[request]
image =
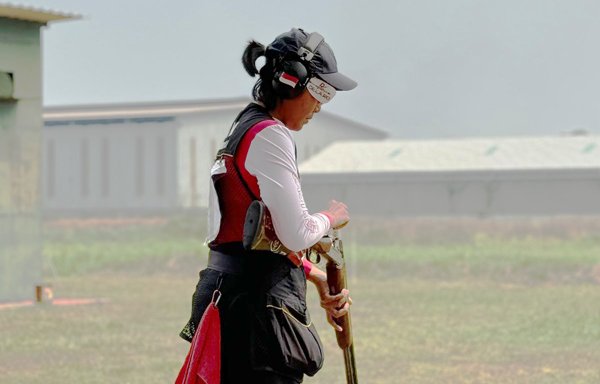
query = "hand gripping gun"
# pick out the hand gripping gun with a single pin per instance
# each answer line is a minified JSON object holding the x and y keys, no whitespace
{"x":259,"y":234}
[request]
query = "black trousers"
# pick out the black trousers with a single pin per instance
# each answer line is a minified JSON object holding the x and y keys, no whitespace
{"x":235,"y":311}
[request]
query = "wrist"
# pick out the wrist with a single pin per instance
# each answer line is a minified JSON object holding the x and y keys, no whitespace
{"x":319,"y":279}
{"x":329,"y":217}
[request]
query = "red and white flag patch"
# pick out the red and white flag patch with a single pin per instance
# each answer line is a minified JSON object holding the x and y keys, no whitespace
{"x":288,"y":79}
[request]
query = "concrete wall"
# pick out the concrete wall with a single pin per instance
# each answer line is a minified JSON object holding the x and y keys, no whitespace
{"x":20,"y":140}
{"x":110,"y":166}
{"x":475,"y":194}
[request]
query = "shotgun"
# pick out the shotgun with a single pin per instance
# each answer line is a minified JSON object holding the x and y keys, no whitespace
{"x":259,"y":234}
{"x":331,"y":248}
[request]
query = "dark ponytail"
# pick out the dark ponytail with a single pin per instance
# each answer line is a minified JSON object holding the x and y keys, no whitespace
{"x":253,"y":51}
{"x":263,"y":88}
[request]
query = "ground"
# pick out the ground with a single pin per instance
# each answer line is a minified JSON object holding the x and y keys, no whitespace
{"x":488,"y":307}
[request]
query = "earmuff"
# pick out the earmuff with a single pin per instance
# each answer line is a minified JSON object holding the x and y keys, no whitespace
{"x":292,"y":71}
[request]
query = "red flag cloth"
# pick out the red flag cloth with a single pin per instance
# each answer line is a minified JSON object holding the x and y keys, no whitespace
{"x":203,"y":362}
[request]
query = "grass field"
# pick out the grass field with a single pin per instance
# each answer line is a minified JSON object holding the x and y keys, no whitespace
{"x":511,"y":306}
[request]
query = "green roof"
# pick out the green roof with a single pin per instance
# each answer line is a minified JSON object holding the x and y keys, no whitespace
{"x":476,"y":154}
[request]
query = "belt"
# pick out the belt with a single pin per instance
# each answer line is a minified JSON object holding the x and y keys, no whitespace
{"x":231,"y":264}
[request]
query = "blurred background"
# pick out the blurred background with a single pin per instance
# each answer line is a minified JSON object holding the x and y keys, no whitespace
{"x":469,"y":156}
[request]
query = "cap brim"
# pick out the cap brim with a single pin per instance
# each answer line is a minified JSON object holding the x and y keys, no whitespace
{"x":338,"y":81}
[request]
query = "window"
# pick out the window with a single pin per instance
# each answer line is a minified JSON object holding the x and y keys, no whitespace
{"x":50,"y":164}
{"x":139,"y":166}
{"x":7,"y":88}
{"x":85,"y":167}
{"x":160,"y":166}
{"x":105,"y":164}
{"x":193,"y":190}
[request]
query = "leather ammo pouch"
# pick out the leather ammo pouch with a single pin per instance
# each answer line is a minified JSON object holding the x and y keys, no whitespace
{"x":283,"y":336}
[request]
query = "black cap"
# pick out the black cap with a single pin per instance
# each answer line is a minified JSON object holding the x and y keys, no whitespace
{"x":323,"y":63}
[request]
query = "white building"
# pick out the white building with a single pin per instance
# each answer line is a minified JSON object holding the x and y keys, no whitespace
{"x":150,"y":157}
{"x":469,"y":177}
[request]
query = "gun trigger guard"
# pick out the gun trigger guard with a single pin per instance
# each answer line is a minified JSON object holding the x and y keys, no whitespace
{"x":312,"y":259}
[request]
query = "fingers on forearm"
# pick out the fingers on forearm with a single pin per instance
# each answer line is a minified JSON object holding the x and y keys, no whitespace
{"x":339,"y":312}
{"x":335,"y":325}
{"x":330,"y":299}
{"x":337,"y":297}
{"x":331,"y":305}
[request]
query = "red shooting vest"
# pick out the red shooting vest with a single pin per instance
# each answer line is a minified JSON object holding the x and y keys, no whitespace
{"x":236,"y":188}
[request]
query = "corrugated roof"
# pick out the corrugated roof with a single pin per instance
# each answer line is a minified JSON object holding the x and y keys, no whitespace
{"x":33,"y":14}
{"x":138,"y":109}
{"x":513,"y":153}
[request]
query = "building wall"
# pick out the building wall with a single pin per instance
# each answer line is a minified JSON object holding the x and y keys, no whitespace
{"x":110,"y":166}
{"x":199,"y":139}
{"x":475,"y":194}
{"x":199,"y":130}
{"x":20,"y":138}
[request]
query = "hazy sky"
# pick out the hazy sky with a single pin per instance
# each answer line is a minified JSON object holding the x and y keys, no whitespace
{"x":447,"y":68}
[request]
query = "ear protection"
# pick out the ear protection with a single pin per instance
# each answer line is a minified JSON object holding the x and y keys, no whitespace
{"x":292,"y":71}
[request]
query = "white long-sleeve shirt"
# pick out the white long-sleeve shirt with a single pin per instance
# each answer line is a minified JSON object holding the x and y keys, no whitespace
{"x":271,"y":159}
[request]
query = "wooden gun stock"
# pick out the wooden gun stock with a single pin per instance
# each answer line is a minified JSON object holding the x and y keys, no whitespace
{"x":336,"y":280}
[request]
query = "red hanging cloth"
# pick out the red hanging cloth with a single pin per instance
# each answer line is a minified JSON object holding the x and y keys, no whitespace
{"x":203,"y":362}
